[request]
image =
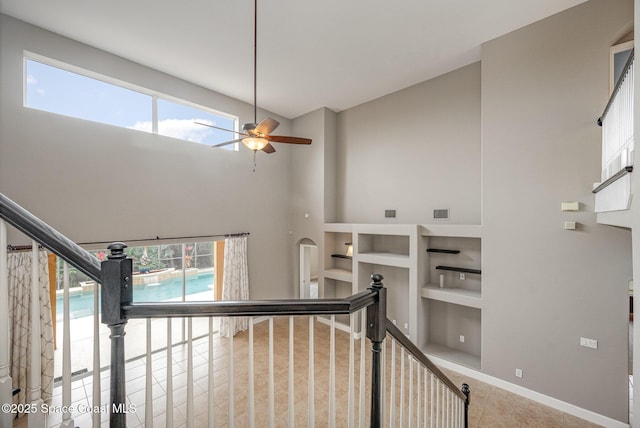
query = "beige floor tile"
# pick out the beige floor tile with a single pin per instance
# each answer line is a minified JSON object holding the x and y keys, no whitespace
{"x":490,"y":406}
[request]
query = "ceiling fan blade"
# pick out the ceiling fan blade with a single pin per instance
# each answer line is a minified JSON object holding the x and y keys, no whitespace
{"x":267,"y":126}
{"x":222,"y":129}
{"x":268,"y":148}
{"x":226,"y":143}
{"x":288,"y":140}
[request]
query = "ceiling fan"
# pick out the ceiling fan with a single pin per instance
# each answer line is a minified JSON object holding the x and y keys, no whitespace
{"x":257,"y":136}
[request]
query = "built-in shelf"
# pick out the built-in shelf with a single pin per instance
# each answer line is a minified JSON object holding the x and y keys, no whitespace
{"x":385,"y":259}
{"x":341,"y":256}
{"x":440,"y":250}
{"x":459,"y":269}
{"x":453,"y":355}
{"x":338,"y":274}
{"x":459,"y":296}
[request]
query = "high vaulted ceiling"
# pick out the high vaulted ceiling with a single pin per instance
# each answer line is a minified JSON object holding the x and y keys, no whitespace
{"x":311,"y":54}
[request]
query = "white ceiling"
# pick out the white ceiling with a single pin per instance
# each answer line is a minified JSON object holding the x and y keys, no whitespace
{"x":311,"y":54}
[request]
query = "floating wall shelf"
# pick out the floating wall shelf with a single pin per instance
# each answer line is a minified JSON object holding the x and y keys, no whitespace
{"x":438,"y":250}
{"x":459,"y":269}
{"x":341,"y":256}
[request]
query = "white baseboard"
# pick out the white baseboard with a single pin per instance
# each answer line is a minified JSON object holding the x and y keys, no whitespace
{"x":339,"y":326}
{"x":258,"y":320}
{"x":563,"y":406}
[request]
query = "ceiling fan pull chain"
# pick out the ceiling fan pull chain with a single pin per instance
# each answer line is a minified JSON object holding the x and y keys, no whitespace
{"x":254,"y":160}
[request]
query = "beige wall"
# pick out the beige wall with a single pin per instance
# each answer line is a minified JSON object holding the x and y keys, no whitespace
{"x":504,"y":142}
{"x":414,"y":151}
{"x":96,"y":182}
{"x":542,"y":89}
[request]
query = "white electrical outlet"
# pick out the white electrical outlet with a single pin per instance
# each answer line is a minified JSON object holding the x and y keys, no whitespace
{"x":394,"y":322}
{"x":462,"y":276}
{"x":589,"y":343}
{"x":519,"y":373}
{"x":461,"y":339}
{"x":406,"y":326}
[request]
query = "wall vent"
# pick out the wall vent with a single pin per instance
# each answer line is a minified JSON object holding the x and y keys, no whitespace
{"x":390,"y":213}
{"x":441,"y":214}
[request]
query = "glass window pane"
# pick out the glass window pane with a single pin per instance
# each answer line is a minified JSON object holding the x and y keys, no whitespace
{"x":178,"y":121}
{"x":619,"y":61}
{"x":63,"y":92}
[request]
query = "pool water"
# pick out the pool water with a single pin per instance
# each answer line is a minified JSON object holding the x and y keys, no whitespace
{"x":81,"y":305}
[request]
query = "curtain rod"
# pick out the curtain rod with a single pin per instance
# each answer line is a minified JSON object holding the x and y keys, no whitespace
{"x":15,"y":248}
{"x":172,"y":238}
{"x":157,"y":238}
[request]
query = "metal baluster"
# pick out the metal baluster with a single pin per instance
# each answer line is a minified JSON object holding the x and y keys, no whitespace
{"x":35,"y":419}
{"x":291,"y":374}
{"x":251,"y":376}
{"x":363,"y":340}
{"x":410,"y":416}
{"x":392,"y":388}
{"x":169,"y":396}
{"x":148,"y":402}
{"x":311,"y":398}
{"x":433,"y":400}
{"x":67,"y":421}
{"x":271,"y":382}
{"x":190,"y":410}
{"x":6,"y":387}
{"x":383,"y":392}
{"x":211,"y":402}
{"x":402,"y":358}
{"x":426,"y":395}
{"x":96,"y":392}
{"x":351,"y":398}
{"x":419,"y":388}
{"x":332,"y":372}
{"x":437,"y":402}
{"x":230,"y":404}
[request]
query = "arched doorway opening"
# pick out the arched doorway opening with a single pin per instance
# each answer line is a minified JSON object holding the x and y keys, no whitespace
{"x":308,"y":269}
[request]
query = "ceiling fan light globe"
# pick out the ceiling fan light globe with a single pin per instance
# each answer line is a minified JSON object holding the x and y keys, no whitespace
{"x":255,"y":143}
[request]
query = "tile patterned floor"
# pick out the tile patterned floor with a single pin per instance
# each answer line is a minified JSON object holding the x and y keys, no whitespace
{"x":490,"y":406}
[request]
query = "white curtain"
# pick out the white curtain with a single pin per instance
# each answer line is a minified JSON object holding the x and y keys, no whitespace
{"x":235,"y":282}
{"x":19,"y":265}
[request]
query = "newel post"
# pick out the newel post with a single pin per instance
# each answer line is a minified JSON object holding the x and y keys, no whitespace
{"x":117,"y":290}
{"x":376,"y":332}
{"x":467,"y":392}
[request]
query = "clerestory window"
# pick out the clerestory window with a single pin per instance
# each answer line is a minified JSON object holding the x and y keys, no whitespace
{"x":67,"y":90}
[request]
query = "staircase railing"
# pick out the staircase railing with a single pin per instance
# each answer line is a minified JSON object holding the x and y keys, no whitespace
{"x":441,"y":399}
{"x":617,"y":129}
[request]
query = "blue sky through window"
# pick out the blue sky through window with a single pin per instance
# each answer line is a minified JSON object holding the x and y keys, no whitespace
{"x":63,"y":92}
{"x":177,"y":120}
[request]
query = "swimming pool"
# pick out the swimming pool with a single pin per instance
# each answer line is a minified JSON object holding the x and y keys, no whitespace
{"x":81,"y":305}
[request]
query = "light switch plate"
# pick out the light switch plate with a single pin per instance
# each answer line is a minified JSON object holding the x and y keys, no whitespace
{"x":570,"y":225}
{"x":571,"y":206}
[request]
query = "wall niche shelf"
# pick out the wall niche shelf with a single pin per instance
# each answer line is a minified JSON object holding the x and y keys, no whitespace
{"x":459,"y":269}
{"x":427,"y":295}
{"x":343,"y":275}
{"x":459,"y":296}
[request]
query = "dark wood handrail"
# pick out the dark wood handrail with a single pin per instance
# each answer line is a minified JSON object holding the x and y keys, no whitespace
{"x":416,"y":353}
{"x":617,"y":87}
{"x":251,"y":307}
{"x":624,"y":171}
{"x":50,"y":238}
